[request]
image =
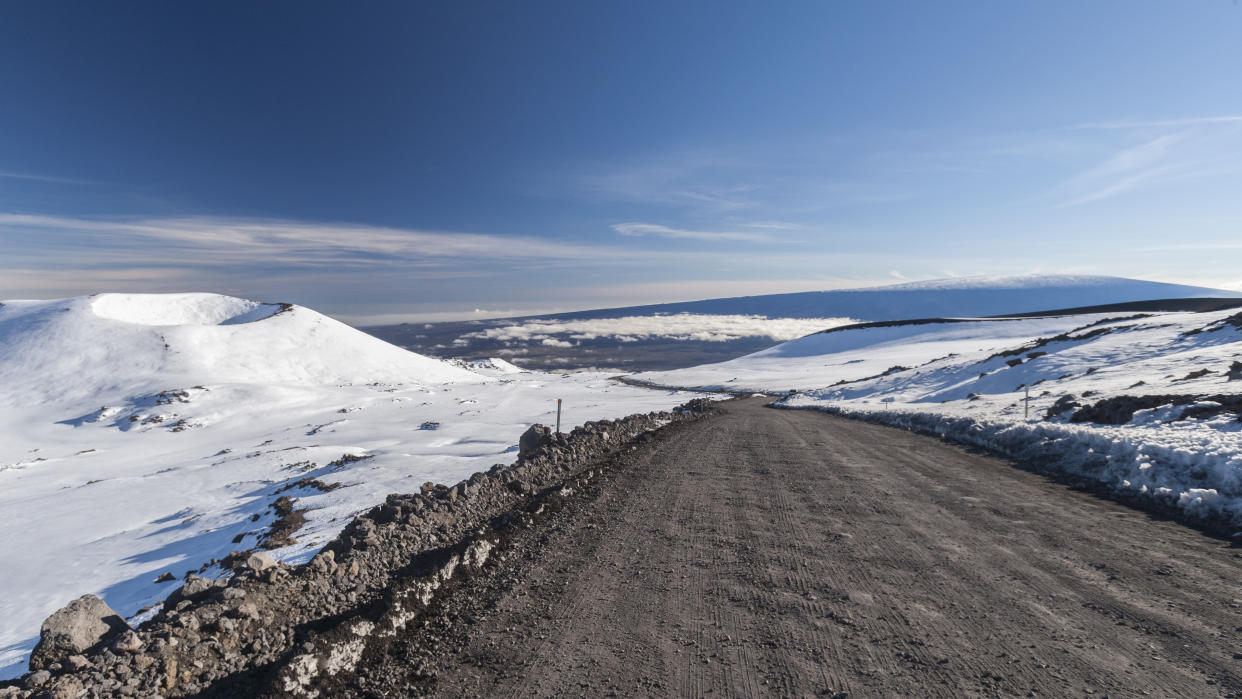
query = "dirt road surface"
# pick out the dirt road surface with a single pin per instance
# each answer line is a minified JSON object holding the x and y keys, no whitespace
{"x":772,"y":552}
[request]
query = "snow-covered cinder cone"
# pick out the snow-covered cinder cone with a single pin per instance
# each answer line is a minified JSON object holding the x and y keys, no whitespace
{"x":97,"y":345}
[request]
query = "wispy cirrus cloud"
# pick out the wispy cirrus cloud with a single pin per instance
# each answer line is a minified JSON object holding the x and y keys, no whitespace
{"x":771,"y":225}
{"x":1158,"y":153}
{"x":1206,"y":246}
{"x":695,"y":181}
{"x":31,"y":177}
{"x":55,"y":256}
{"x":652,"y":229}
{"x":1127,"y":169}
{"x":205,"y":241}
{"x":761,"y":181}
{"x":1161,"y":123}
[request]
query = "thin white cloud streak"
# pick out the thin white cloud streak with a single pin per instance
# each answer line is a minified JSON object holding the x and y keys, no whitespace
{"x":771,"y":225}
{"x":614,"y":295}
{"x":683,"y":326}
{"x":39,"y":178}
{"x":652,"y":229}
{"x":1173,"y":150}
{"x":199,"y":242}
{"x":1126,"y":170}
{"x":695,"y":181}
{"x":781,"y":179}
{"x":1190,"y":247}
{"x":1162,"y":123}
{"x":41,"y":284}
{"x":1163,"y":160}
{"x":370,"y":319}
{"x":329,"y":265}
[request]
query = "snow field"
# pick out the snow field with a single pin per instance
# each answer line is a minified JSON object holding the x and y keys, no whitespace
{"x":130,"y":447}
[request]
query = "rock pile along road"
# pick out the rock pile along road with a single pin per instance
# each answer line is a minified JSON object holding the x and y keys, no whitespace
{"x":771,"y":552}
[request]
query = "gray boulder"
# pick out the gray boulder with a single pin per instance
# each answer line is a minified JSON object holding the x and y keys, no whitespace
{"x":195,"y":589}
{"x":81,"y":626}
{"x":260,"y":561}
{"x":128,"y":642}
{"x":533,"y":438}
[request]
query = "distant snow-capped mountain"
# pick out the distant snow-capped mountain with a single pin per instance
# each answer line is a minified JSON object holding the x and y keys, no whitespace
{"x":955,"y":297}
{"x":676,"y":335}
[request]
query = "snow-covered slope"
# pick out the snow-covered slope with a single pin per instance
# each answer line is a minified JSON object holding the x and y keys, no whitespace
{"x":93,"y":345}
{"x":141,"y":434}
{"x":1148,"y":404}
{"x":855,"y":352}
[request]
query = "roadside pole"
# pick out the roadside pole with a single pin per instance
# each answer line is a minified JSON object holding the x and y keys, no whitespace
{"x":1028,"y":403}
{"x":558,"y":415}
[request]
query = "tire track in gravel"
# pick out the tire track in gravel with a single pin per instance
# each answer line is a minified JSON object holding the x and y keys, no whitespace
{"x":765,"y":552}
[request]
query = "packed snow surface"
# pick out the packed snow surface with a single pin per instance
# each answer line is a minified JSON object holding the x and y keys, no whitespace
{"x":1147,"y":404}
{"x":148,"y":433}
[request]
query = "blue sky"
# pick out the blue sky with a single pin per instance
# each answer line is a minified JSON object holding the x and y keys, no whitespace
{"x":380,"y":161}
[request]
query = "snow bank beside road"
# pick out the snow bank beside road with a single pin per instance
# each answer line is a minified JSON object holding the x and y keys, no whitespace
{"x":1194,"y":466}
{"x":1146,"y":404}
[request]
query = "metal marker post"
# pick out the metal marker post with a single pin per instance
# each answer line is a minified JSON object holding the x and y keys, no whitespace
{"x":558,"y":415}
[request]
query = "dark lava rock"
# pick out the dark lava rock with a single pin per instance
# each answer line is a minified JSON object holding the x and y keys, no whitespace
{"x":532,"y":439}
{"x":1065,"y":402}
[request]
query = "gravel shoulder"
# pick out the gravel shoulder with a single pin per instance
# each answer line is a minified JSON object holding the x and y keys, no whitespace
{"x":762,"y":552}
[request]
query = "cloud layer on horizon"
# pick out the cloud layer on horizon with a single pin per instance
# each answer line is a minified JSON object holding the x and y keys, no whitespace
{"x":681,"y":326}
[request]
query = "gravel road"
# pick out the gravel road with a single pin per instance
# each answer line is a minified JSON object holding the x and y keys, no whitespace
{"x":770,"y":552}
